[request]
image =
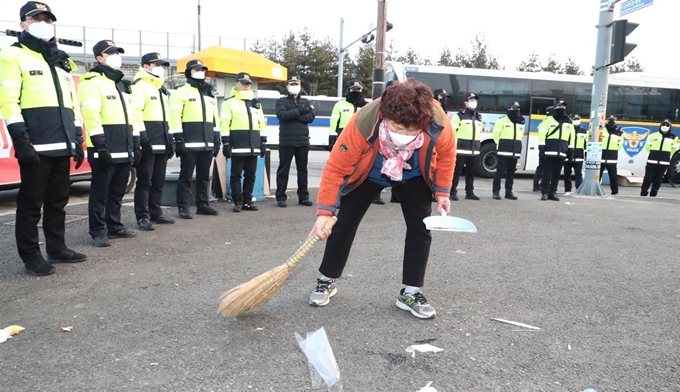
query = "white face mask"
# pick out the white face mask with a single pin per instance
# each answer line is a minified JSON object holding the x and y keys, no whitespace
{"x":158,"y":71}
{"x":41,"y":30}
{"x":114,"y":61}
{"x":200,"y":75}
{"x":577,"y":122}
{"x":665,"y":129}
{"x":472,"y":105}
{"x":401,"y":140}
{"x":294,"y":90}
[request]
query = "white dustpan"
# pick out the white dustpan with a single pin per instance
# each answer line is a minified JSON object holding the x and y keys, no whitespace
{"x":448,"y":223}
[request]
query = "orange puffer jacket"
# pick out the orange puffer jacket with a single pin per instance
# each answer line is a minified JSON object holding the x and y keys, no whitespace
{"x":357,"y":148}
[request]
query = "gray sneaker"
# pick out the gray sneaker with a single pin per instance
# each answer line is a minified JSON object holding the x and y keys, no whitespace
{"x":325,"y":289}
{"x":416,"y":304}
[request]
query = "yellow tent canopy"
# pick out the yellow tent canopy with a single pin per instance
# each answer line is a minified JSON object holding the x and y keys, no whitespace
{"x":221,"y":61}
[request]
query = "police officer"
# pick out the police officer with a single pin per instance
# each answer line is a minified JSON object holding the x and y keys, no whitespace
{"x":243,"y":127}
{"x":194,"y":126}
{"x":111,"y":145}
{"x":343,"y":110}
{"x":611,"y":144}
{"x":442,"y":97}
{"x":467,"y":125}
{"x":507,"y":133}
{"x":576,"y":155}
{"x":294,"y":113}
{"x":554,"y":134}
{"x":39,"y":104}
{"x":661,"y":146}
{"x":538,"y":174}
{"x":150,"y":101}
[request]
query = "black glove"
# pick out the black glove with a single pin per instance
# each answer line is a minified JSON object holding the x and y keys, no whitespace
{"x":104,"y":158}
{"x":147,"y":148}
{"x":137,"y":154}
{"x":180,"y":148}
{"x":541,"y":152}
{"x":216,"y":149}
{"x":263,"y":149}
{"x":170,"y":151}
{"x":80,"y":155}
{"x":304,"y":108}
{"x":25,"y":153}
{"x":226,"y":151}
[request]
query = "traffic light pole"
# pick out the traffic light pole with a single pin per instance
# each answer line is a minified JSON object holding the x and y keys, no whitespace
{"x":379,"y":64}
{"x":598,"y":103}
{"x":341,"y":58}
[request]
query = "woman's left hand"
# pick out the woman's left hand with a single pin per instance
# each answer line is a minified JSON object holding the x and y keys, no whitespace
{"x":443,"y":202}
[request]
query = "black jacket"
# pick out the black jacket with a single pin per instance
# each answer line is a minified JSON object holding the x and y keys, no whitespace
{"x":293,"y":126}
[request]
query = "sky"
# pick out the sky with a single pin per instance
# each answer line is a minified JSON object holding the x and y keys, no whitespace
{"x":564,"y":28}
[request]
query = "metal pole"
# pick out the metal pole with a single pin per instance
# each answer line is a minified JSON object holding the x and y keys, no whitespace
{"x":84,"y":45}
{"x":379,"y":66}
{"x":167,"y":45}
{"x":341,"y":59}
{"x":199,"y":25}
{"x":140,"y":44}
{"x":598,"y":102}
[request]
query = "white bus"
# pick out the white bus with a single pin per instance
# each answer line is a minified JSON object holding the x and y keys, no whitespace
{"x":319,"y":133}
{"x":640,"y":101}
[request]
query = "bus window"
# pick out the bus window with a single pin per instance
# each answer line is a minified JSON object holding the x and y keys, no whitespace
{"x":615,"y":102}
{"x":496,"y":95}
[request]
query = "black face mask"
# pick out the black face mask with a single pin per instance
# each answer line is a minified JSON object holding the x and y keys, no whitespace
{"x":514,"y":114}
{"x":611,"y":125}
{"x":560,"y":113}
{"x":355,"y":96}
{"x":443,"y":103}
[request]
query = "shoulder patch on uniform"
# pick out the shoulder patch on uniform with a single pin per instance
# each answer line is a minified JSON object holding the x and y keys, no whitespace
{"x":344,"y":148}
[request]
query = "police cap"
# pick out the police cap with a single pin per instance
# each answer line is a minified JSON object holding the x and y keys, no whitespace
{"x":106,"y":46}
{"x":34,"y":8}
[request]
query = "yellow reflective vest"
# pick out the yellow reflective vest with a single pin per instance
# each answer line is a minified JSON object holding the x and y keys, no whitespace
{"x":555,"y":137}
{"x":194,"y":116}
{"x":467,"y":125}
{"x":39,"y":102}
{"x":343,"y":111}
{"x":508,"y":137}
{"x":150,"y":102}
{"x":242,"y":123}
{"x":107,"y":114}
{"x":611,"y":144}
{"x":661,"y":147}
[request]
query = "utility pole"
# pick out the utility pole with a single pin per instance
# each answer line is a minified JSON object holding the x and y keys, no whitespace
{"x":379,"y":65}
{"x":341,"y":60}
{"x":598,"y":101}
{"x":199,"y":25}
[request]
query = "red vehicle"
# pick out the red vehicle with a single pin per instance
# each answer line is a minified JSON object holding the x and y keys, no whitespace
{"x":9,"y":167}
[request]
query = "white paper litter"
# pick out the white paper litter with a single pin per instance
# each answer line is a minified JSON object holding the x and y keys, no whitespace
{"x":423,"y":348}
{"x":427,"y":388}
{"x":516,"y":323}
{"x":4,"y":335}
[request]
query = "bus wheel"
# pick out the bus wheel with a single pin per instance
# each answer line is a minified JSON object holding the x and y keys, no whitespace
{"x":132,"y":178}
{"x":674,"y":168}
{"x":487,"y":166}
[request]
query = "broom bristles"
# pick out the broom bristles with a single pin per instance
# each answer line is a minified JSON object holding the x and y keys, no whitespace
{"x":259,"y":290}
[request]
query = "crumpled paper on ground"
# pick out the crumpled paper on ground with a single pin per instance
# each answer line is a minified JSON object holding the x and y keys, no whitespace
{"x":7,"y":332}
{"x":423,"y":348}
{"x":427,"y":388}
{"x":322,"y":362}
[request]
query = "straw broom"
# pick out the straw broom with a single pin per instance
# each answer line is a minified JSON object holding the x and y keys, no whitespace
{"x":261,"y":289}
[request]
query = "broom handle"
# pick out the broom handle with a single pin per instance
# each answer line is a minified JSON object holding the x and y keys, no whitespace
{"x":293,"y":260}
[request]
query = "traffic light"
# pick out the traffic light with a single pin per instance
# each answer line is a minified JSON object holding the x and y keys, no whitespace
{"x":620,"y":49}
{"x":367,"y":38}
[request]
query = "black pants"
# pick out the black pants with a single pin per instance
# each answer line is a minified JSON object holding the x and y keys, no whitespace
{"x":106,"y":196}
{"x":416,"y":204}
{"x":201,"y":161}
{"x":538,"y":174}
{"x":149,"y":187}
{"x":653,"y":176}
{"x":469,"y":162}
{"x":613,"y":178}
{"x":286,"y":155}
{"x":551,"y":175}
{"x":43,"y":185}
{"x":507,"y":166}
{"x":578,"y":172}
{"x":247,"y":166}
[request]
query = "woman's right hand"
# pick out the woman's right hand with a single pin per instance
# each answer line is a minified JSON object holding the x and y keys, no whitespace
{"x":320,"y":222}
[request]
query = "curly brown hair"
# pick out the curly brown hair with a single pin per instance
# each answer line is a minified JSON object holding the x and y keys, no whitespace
{"x":408,"y":103}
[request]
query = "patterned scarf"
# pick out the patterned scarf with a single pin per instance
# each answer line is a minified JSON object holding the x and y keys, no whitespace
{"x":396,"y":156}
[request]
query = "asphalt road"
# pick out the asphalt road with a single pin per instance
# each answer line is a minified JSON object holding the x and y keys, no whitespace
{"x":598,"y":276}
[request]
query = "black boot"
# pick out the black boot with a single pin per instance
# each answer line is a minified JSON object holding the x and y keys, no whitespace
{"x":496,"y":196}
{"x":378,"y":200}
{"x":510,"y":196}
{"x":553,"y":197}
